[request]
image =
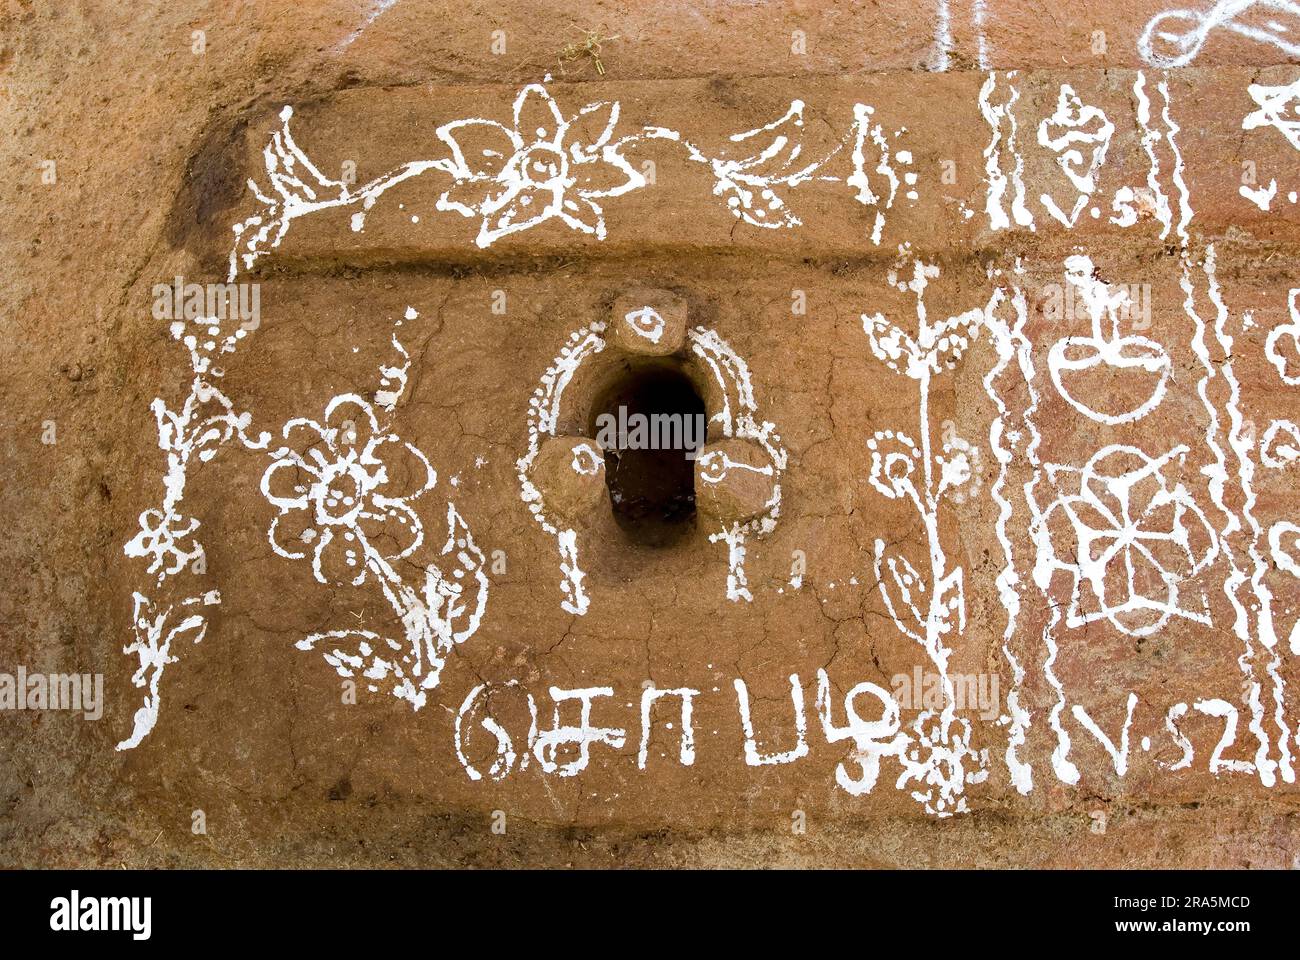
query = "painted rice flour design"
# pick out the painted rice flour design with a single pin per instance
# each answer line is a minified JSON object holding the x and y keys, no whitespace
{"x":1278,"y":107}
{"x":543,"y":415}
{"x":1110,"y":522}
{"x":1106,"y":347}
{"x":738,"y":417}
{"x":344,"y":485}
{"x":1129,"y":537}
{"x":167,"y":538}
{"x":1077,"y":137}
{"x":511,"y":177}
{"x":927,"y":606}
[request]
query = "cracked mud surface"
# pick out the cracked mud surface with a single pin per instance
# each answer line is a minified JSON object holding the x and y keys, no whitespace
{"x":153,"y":145}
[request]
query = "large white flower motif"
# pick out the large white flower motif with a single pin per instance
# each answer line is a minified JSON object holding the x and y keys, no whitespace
{"x":543,"y":167}
{"x":343,"y":489}
{"x":1129,"y":538}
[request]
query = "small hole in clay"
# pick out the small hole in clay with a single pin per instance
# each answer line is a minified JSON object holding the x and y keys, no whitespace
{"x":650,"y":478}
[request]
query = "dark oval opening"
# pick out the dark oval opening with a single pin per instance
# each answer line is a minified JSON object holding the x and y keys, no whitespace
{"x":647,"y":421}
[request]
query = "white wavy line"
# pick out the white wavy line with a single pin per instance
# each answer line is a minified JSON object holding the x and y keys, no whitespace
{"x":1150,"y":137}
{"x":1217,"y":476}
{"x":1007,"y":581}
{"x":1242,"y":447}
{"x":1184,"y":195}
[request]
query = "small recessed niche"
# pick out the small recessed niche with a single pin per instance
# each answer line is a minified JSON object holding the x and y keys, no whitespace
{"x":650,"y":478}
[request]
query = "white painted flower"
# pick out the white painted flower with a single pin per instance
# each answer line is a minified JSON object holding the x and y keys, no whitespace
{"x":1129,"y":538}
{"x":342,"y":487}
{"x":940,"y":762}
{"x":894,"y":458}
{"x":167,"y":540}
{"x":545,"y":166}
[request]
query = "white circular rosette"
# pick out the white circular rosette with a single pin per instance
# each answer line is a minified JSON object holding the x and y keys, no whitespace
{"x":343,"y":488}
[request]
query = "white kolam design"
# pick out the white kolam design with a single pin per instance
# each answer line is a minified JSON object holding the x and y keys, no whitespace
{"x":1106,"y":347}
{"x":346,"y":488}
{"x":514,"y":176}
{"x":1148,"y":534}
{"x":543,"y":415}
{"x":927,"y":605}
{"x":1129,"y":537}
{"x":738,"y":417}
{"x":167,"y":537}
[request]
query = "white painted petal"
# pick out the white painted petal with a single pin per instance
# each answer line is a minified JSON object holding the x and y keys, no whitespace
{"x":392,"y":528}
{"x":537,"y":118}
{"x":479,"y":148}
{"x":585,"y":215}
{"x":350,"y":422}
{"x":287,"y":481}
{"x":598,"y":116}
{"x":286,"y":534}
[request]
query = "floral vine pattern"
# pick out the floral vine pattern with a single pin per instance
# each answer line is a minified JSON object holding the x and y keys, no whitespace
{"x":927,"y":607}
{"x":344,"y":487}
{"x":753,"y":182}
{"x":153,"y":646}
{"x":167,"y":538}
{"x":511,"y":177}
